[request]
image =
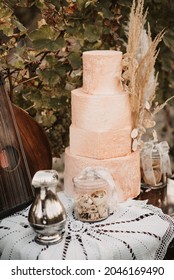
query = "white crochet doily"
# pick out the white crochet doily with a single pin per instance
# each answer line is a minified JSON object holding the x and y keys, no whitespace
{"x":135,"y":230}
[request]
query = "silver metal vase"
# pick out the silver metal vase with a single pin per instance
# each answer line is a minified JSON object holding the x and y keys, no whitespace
{"x":47,"y":215}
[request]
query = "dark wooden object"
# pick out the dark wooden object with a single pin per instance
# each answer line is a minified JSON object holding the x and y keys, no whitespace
{"x":24,"y":149}
{"x":35,"y":142}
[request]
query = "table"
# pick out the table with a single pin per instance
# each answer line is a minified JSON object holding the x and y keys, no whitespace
{"x":134,"y":230}
{"x":162,"y":198}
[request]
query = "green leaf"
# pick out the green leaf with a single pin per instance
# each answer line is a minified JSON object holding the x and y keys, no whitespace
{"x":125,"y":3}
{"x":19,"y":25}
{"x":64,"y":100}
{"x":105,"y":9}
{"x":75,"y":60}
{"x":77,"y":32}
{"x":45,"y":32}
{"x":166,"y":60}
{"x":36,"y":96}
{"x":48,"y":120}
{"x":169,"y":40}
{"x":53,"y":103}
{"x":91,"y":2}
{"x":8,"y":31}
{"x":49,"y":45}
{"x":62,"y":69}
{"x":15,"y":60}
{"x":92,"y":33}
{"x":80,"y":4}
{"x":51,"y":59}
{"x":4,"y":12}
{"x":19,"y":64}
{"x":56,"y":3}
{"x":50,"y":77}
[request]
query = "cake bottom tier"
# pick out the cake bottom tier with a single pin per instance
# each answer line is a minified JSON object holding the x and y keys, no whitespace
{"x":124,"y":170}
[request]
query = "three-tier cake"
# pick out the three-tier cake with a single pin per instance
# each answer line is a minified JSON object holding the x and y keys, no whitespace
{"x":100,"y":133}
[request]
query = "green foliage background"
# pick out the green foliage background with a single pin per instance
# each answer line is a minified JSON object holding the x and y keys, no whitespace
{"x":41,"y":44}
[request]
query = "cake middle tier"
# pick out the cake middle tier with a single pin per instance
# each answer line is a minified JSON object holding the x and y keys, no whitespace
{"x":96,"y":113}
{"x":100,"y":144}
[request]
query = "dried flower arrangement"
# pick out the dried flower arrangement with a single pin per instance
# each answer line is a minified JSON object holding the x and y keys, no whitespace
{"x":139,"y":78}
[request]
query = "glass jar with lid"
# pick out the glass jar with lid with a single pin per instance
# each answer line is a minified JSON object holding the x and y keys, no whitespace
{"x":92,"y":197}
{"x":155,"y":164}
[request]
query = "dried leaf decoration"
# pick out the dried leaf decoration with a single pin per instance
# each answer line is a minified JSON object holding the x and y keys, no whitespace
{"x":139,"y":78}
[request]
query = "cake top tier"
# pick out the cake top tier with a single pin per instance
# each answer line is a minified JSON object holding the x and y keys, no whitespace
{"x":102,"y":72}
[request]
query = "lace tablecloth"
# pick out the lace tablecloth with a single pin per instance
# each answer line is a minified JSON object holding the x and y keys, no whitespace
{"x":135,"y":230}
